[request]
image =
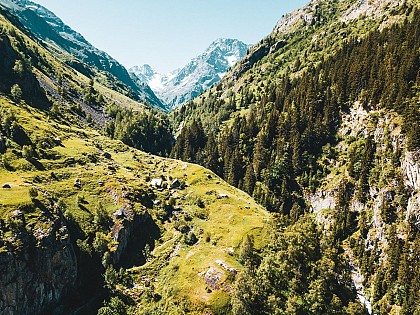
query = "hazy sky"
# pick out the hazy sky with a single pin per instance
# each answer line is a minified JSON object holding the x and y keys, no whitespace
{"x":168,"y":33}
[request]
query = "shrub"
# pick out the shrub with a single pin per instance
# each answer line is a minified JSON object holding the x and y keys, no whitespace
{"x":33,"y":193}
{"x":28,"y":152}
{"x":16,"y":93}
{"x":190,"y":238}
{"x":100,"y":243}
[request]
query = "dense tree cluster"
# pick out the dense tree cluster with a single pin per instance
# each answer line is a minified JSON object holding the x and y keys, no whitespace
{"x":91,"y":96}
{"x":282,"y":147}
{"x":301,"y":272}
{"x":16,"y":76}
{"x":147,"y":131}
{"x":283,"y":135}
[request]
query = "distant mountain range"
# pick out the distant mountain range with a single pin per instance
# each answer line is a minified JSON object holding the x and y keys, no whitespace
{"x":182,"y":85}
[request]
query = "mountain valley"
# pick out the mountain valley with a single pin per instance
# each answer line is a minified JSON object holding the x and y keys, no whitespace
{"x":278,"y":178}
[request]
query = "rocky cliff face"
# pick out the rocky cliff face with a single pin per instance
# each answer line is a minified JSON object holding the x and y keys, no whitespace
{"x":411,"y":170}
{"x":11,"y":74}
{"x":39,"y":272}
{"x":126,"y":225}
{"x":383,"y":204}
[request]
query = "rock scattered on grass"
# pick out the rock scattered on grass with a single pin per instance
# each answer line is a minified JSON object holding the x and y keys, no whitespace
{"x":156,"y":182}
{"x":212,"y":278}
{"x":77,"y":183}
{"x":226,"y":267}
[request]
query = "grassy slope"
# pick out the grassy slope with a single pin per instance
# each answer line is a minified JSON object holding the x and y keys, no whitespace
{"x":79,"y":155}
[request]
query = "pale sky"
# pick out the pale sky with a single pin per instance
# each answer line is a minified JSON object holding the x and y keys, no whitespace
{"x":167,"y":34}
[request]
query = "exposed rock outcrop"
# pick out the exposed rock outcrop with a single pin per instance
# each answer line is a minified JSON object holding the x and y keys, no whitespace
{"x":39,"y":273}
{"x":124,"y":229}
{"x":322,"y":200}
{"x":411,"y":169}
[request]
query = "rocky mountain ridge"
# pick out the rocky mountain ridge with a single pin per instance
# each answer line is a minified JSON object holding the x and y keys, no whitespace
{"x":46,"y":26}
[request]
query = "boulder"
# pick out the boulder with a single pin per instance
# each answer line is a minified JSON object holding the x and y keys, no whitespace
{"x":277,"y":46}
{"x":226,"y":266}
{"x":222,"y":196}
{"x":122,"y":213}
{"x":156,"y":182}
{"x":77,"y":183}
{"x":6,"y":186}
{"x":107,"y":155}
{"x":17,"y":213}
{"x":212,"y":278}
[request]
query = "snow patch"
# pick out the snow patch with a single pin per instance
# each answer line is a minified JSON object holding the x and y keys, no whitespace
{"x":232,"y":60}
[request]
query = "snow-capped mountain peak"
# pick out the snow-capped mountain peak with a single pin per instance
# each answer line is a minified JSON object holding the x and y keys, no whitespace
{"x":144,"y":72}
{"x":182,"y":85}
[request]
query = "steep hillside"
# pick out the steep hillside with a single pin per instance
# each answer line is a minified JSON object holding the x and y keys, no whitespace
{"x":40,"y":78}
{"x":321,"y":120}
{"x":92,"y":203}
{"x":182,"y":85}
{"x":87,"y":221}
{"x":46,"y":26}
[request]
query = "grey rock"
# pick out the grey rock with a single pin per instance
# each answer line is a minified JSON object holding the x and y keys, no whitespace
{"x":123,"y":213}
{"x":212,"y":278}
{"x":40,"y":276}
{"x":17,"y":213}
{"x":156,"y":182}
{"x":77,"y":183}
